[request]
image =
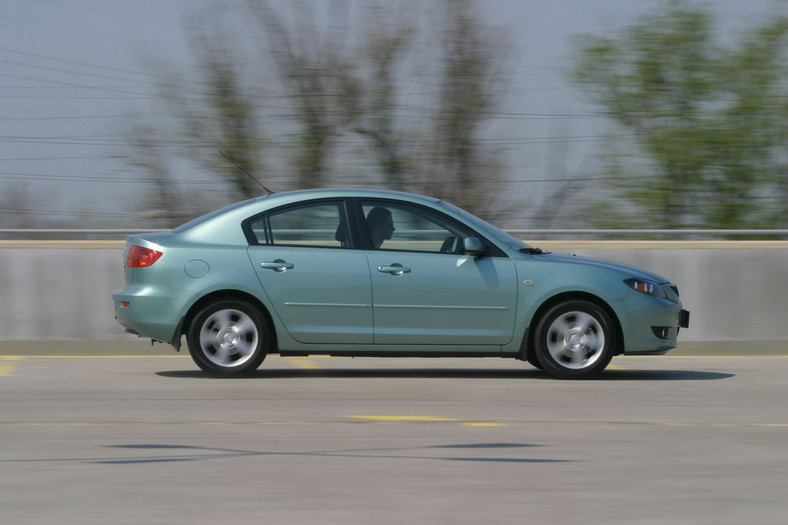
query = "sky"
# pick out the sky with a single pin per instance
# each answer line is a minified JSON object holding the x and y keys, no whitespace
{"x":72,"y":71}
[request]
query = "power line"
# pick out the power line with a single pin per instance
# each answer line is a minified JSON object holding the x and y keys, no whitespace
{"x":82,"y":30}
{"x":97,"y":141}
{"x":78,"y":73}
{"x":121,"y":91}
{"x":25,"y":211}
{"x":36,"y":159}
{"x":73,"y":62}
{"x":74,"y":117}
{"x":35,"y":177}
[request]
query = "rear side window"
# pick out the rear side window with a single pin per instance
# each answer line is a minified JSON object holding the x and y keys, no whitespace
{"x":320,"y":224}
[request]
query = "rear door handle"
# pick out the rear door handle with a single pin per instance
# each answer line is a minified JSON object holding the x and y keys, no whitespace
{"x":278,"y":265}
{"x":394,"y":269}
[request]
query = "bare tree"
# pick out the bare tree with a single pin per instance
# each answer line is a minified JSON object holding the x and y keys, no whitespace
{"x":329,"y":81}
{"x":222,"y":115}
{"x":463,"y":170}
{"x":16,"y":206}
{"x":388,"y":38}
{"x":204,"y":121}
{"x":318,"y":74}
{"x":164,"y":203}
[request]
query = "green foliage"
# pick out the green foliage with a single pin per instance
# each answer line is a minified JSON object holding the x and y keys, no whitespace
{"x":706,"y":118}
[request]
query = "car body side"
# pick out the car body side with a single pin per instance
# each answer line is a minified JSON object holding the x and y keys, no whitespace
{"x":209,"y":258}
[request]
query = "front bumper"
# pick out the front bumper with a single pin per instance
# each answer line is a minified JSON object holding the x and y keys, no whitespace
{"x":650,"y":325}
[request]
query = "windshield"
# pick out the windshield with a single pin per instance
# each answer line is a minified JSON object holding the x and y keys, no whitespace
{"x":472,"y":219}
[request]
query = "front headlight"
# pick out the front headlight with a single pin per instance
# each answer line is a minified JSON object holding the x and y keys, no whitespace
{"x":647,"y":287}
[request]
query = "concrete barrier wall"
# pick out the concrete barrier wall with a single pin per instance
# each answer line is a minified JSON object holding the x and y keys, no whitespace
{"x":59,"y":293}
{"x":732,"y":294}
{"x":736,"y":290}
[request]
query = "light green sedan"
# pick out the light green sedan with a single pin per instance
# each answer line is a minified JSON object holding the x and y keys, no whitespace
{"x":388,"y":274}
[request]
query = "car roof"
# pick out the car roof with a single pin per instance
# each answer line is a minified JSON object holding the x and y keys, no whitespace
{"x":299,"y":195}
{"x":223,"y":226}
{"x":219,"y":226}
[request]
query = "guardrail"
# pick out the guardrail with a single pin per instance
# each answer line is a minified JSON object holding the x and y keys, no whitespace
{"x":522,"y":233}
{"x":75,"y":231}
{"x":650,"y":233}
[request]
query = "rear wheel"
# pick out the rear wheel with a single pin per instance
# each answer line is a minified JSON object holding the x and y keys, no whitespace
{"x":229,"y":338}
{"x":575,"y":340}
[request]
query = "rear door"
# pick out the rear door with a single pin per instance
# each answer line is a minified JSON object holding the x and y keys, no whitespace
{"x":317,"y":282}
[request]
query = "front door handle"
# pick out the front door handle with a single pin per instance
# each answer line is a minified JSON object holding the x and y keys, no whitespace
{"x":278,"y":265}
{"x":394,"y":269}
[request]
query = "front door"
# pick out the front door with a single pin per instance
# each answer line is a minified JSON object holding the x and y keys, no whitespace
{"x":425,"y":291}
{"x":442,"y":299}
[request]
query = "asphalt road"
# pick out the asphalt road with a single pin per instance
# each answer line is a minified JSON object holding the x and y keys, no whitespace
{"x":111,"y":435}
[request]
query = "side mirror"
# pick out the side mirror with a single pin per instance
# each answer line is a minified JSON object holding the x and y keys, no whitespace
{"x":473,"y":246}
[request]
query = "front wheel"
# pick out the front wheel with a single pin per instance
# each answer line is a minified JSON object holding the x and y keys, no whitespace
{"x":575,"y":340}
{"x":228,"y":338}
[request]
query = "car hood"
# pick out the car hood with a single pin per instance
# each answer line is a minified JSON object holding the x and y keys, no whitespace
{"x":630,"y":271}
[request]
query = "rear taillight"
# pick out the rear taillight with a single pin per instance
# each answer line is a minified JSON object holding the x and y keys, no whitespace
{"x":140,"y":257}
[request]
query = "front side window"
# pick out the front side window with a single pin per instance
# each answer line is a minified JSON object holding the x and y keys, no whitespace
{"x":396,"y":226}
{"x":319,"y":224}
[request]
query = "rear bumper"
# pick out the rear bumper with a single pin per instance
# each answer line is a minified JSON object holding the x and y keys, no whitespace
{"x":144,"y":314}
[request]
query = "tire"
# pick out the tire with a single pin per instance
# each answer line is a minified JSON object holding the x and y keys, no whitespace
{"x":229,"y":338}
{"x":575,"y":340}
{"x":533,"y":360}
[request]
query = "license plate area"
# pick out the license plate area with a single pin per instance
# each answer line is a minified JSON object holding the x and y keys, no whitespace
{"x":684,"y":317}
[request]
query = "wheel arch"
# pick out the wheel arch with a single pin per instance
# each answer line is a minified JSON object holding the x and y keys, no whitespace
{"x":571,"y":296}
{"x":221,"y":295}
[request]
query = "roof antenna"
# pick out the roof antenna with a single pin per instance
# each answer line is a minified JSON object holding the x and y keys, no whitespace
{"x":246,"y":172}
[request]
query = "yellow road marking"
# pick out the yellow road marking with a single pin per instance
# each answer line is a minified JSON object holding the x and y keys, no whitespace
{"x":723,"y":356}
{"x":405,"y":418}
{"x":7,"y":370}
{"x":94,"y":357}
{"x":303,"y":362}
{"x":410,"y":419}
